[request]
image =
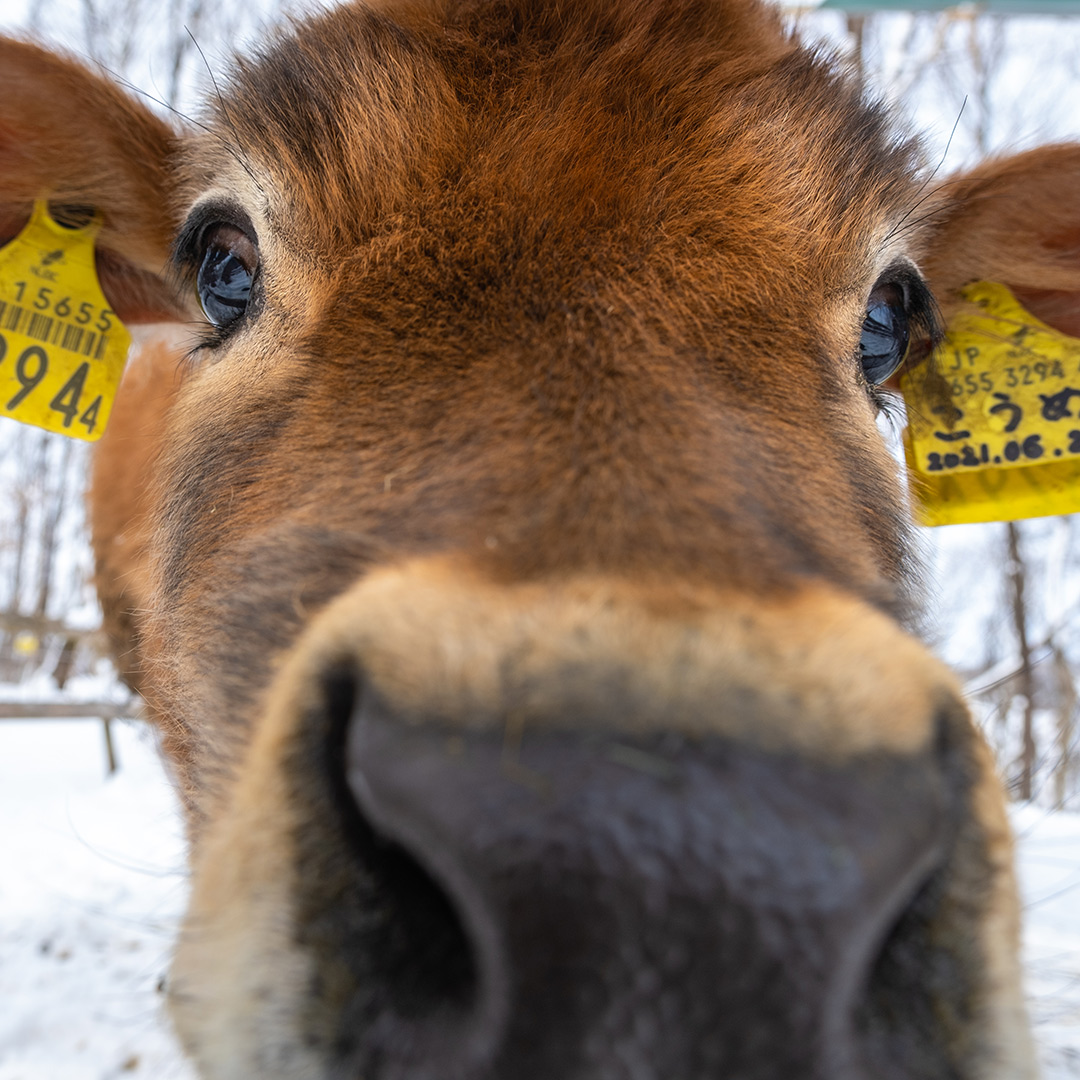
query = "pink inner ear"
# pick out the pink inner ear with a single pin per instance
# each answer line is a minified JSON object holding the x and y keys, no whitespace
{"x":1058,"y":308}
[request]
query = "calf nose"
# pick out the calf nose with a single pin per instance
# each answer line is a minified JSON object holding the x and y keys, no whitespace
{"x":591,"y":832}
{"x":647,"y":906}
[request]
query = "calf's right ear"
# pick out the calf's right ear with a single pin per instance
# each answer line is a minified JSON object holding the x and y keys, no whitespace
{"x":71,"y":135}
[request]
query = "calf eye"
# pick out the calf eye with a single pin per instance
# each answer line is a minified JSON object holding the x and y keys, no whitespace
{"x":226,"y":273}
{"x":885,"y":333}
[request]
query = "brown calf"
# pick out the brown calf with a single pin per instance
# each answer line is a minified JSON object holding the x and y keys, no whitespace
{"x":509,"y":555}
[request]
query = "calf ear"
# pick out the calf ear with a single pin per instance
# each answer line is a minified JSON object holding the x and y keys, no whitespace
{"x":73,"y":136}
{"x":1016,"y":221}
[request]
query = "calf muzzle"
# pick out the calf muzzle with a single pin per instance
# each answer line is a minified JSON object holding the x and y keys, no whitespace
{"x":599,"y":832}
{"x":653,"y":905}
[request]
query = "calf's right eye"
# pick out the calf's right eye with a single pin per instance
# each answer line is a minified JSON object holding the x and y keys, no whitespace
{"x":226,"y":274}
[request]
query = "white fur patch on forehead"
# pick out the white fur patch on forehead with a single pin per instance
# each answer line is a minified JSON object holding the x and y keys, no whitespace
{"x":815,"y":672}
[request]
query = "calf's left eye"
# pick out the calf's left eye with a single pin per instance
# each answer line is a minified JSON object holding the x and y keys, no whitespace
{"x":885,"y":333}
{"x":226,"y":274}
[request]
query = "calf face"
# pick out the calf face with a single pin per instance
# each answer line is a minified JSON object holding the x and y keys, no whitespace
{"x":511,"y":561}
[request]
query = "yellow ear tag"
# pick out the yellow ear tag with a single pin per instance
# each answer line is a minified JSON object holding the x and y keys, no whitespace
{"x":62,"y":349}
{"x":1006,"y":444}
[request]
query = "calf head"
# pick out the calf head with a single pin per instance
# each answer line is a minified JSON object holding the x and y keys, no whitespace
{"x":509,"y":557}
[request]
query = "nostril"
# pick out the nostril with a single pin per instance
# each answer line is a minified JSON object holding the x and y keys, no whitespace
{"x":912,"y":980}
{"x":408,"y":937}
{"x":423,"y":957}
{"x":920,"y":990}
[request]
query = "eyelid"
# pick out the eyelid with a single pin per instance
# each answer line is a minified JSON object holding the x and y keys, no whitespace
{"x":918,"y":299}
{"x":187,"y":248}
{"x":903,"y":273}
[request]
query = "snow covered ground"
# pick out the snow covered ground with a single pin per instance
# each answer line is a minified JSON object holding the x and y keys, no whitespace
{"x":91,"y":889}
{"x":1049,"y":855}
{"x":92,"y":886}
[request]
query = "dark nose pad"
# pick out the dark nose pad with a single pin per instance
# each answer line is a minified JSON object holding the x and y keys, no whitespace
{"x":649,"y":907}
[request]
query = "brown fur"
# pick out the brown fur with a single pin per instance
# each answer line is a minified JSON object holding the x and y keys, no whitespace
{"x":545,"y":430}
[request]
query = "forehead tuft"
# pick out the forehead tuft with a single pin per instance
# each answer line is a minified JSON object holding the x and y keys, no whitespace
{"x":705,"y":119}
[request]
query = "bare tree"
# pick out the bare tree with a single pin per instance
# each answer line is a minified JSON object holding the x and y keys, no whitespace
{"x":1016,"y":571}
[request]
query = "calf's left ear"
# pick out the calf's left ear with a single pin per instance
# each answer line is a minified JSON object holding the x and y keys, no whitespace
{"x":71,"y":135}
{"x":1014,"y":220}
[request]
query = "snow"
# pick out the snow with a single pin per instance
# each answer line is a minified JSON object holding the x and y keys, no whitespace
{"x":93,"y":887}
{"x":1048,"y":847}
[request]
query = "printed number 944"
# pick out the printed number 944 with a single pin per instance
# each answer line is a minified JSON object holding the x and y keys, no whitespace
{"x":31,"y":367}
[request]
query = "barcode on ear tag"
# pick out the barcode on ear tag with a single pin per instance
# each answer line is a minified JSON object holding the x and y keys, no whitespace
{"x":62,"y":349}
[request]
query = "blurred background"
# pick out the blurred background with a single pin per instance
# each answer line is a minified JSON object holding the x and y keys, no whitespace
{"x":91,"y":856}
